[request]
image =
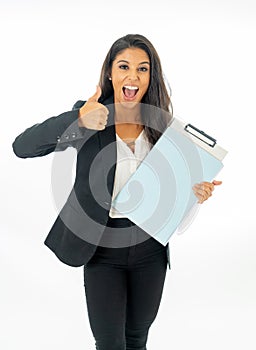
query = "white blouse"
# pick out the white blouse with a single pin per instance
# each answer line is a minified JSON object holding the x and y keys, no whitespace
{"x":127,"y":163}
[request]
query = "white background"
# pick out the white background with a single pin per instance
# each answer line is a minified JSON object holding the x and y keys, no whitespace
{"x":51,"y":55}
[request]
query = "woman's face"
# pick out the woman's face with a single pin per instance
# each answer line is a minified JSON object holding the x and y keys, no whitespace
{"x":130,"y":75}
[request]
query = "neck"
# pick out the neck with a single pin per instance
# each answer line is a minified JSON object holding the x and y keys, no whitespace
{"x":124,"y":114}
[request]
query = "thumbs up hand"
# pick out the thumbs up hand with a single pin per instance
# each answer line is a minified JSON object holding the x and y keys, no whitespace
{"x":93,"y":115}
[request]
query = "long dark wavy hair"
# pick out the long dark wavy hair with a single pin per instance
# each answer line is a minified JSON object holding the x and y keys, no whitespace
{"x":156,"y":94}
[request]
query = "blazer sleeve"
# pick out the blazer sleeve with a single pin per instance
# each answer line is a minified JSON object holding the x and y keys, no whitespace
{"x":53,"y":134}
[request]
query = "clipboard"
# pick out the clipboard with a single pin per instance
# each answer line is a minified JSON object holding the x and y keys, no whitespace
{"x":159,"y":195}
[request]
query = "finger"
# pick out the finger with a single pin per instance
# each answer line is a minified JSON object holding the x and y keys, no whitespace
{"x":98,"y":110}
{"x":207,"y":186}
{"x":201,"y":193}
{"x":95,"y":126}
{"x":96,"y":96}
{"x":101,"y":126}
{"x":96,"y":123}
{"x":102,"y":113}
{"x":216,"y":183}
{"x":102,"y":120}
{"x":200,"y":197}
{"x":203,"y":187}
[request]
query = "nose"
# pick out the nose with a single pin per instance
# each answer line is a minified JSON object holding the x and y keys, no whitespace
{"x":132,"y":74}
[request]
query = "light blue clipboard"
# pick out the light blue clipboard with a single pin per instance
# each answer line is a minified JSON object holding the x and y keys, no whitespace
{"x":159,"y":194}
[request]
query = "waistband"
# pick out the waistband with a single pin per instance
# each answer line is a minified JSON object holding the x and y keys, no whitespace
{"x":119,"y":222}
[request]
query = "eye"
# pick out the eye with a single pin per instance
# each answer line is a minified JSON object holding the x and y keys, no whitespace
{"x":123,"y":66}
{"x":143,"y":69}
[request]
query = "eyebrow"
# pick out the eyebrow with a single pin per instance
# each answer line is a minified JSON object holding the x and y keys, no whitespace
{"x":144,"y":62}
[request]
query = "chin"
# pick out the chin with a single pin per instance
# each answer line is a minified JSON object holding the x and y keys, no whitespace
{"x":130,"y":104}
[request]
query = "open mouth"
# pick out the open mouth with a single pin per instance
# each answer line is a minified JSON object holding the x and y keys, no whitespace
{"x":130,"y":91}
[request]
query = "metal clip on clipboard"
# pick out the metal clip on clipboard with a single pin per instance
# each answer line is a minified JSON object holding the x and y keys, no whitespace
{"x":201,"y":135}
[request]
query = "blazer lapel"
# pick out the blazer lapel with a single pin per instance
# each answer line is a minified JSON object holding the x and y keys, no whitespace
{"x":107,"y":140}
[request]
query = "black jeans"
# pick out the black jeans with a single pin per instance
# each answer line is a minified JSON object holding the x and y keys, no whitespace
{"x":124,"y":287}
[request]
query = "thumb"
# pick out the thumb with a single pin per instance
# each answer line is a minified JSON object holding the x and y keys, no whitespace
{"x":216,"y":183}
{"x":96,"y":96}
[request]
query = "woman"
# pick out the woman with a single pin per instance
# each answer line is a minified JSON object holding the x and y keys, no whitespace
{"x":124,"y":267}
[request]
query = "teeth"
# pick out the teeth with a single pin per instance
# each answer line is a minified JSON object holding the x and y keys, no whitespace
{"x":131,"y":87}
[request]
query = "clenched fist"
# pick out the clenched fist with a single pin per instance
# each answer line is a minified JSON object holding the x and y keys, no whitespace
{"x":93,"y":115}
